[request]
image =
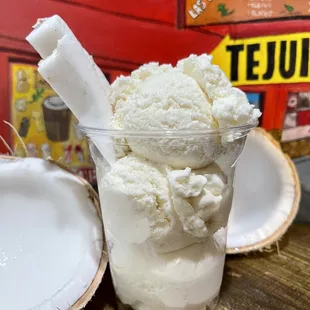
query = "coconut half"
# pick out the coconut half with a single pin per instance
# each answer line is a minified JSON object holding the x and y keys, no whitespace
{"x":266,"y":197}
{"x":51,"y":237}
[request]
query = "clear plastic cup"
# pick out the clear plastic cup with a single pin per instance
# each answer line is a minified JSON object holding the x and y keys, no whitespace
{"x":165,"y":202}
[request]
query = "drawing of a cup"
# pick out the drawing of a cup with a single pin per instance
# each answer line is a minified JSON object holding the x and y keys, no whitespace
{"x":37,"y":116}
{"x":57,"y":118}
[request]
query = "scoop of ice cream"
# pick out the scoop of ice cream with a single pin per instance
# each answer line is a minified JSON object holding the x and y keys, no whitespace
{"x":163,"y":98}
{"x":210,"y":77}
{"x":195,"y":95}
{"x":146,"y":188}
{"x":124,"y":86}
{"x":198,"y":199}
{"x":230,"y":106}
{"x":179,"y":205}
{"x":234,"y":109}
{"x":166,"y":101}
{"x":187,"y":279}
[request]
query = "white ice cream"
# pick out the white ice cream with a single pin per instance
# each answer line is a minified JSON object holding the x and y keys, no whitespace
{"x":194,"y":95}
{"x":166,"y":100}
{"x":166,"y":200}
{"x":179,"y":205}
{"x":186,"y":279}
{"x":159,"y":226}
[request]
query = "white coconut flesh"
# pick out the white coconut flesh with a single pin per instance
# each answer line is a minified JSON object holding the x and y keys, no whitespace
{"x":51,"y":236}
{"x":266,"y":197}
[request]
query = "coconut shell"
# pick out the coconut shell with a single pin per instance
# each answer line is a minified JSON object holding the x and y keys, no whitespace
{"x":93,"y":196}
{"x":267,"y":149}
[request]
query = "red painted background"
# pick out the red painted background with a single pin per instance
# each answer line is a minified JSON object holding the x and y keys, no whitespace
{"x":121,"y":35}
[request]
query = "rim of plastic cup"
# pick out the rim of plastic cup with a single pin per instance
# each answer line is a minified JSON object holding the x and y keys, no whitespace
{"x":238,"y":130}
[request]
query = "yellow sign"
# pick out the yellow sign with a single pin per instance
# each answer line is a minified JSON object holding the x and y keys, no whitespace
{"x":45,"y":123}
{"x":265,"y":60}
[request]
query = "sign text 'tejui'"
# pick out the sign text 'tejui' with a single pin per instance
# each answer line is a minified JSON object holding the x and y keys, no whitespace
{"x":265,"y":60}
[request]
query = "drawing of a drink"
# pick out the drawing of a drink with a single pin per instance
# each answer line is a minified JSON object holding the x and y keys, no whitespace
{"x":57,"y":119}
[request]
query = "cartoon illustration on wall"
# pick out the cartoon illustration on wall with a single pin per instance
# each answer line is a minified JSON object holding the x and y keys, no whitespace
{"x":67,"y":154}
{"x":224,"y":11}
{"x":46,"y":150}
{"x":22,"y":85}
{"x":79,"y":153}
{"x":297,"y":119}
{"x":57,"y":118}
{"x":44,"y":122}
{"x":21,"y":104}
{"x":37,"y":116}
{"x":24,"y":127}
{"x":32,"y":149}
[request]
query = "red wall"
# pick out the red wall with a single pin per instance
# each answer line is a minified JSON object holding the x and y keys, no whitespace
{"x":122,"y":34}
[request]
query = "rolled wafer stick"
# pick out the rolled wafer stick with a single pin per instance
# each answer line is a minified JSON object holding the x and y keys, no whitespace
{"x":74,"y":76}
{"x":68,"y":68}
{"x":45,"y":36}
{"x":46,"y":33}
